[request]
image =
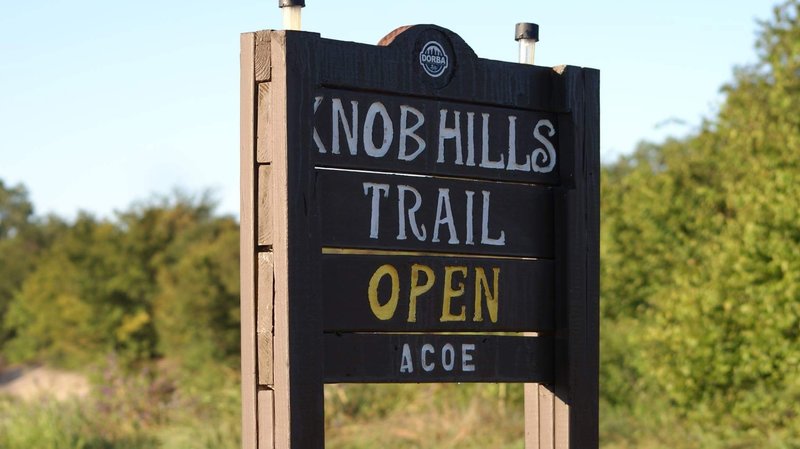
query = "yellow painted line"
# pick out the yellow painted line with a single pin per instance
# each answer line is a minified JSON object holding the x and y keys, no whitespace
{"x":378,"y":252}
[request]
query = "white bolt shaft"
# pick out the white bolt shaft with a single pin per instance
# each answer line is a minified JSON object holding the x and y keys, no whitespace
{"x":526,"y":51}
{"x":291,"y":17}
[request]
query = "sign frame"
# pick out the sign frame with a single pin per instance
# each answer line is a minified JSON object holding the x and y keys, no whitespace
{"x":281,"y":302}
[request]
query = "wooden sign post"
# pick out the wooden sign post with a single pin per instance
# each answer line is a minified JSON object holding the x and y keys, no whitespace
{"x":404,"y":204}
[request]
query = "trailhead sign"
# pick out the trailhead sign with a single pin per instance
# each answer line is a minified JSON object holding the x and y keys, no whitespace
{"x":414,"y":213}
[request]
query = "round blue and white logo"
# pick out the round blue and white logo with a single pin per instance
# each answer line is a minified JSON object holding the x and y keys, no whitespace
{"x":433,"y":59}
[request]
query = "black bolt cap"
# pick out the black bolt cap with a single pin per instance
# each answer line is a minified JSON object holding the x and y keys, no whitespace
{"x":526,"y":30}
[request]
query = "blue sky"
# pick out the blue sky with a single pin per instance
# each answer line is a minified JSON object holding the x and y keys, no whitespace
{"x":105,"y":103}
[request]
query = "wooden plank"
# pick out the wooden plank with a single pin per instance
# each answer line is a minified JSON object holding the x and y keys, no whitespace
{"x":266,"y":437}
{"x":436,"y":293}
{"x":380,"y":358}
{"x":276,"y":133}
{"x":263,"y":152}
{"x":531,"y":410}
{"x":307,"y":417}
{"x":591,"y":393}
{"x":412,"y":135}
{"x":547,"y":422}
{"x":247,"y":256}
{"x":391,"y":69}
{"x":585,"y":258}
{"x":561,"y":412}
{"x":265,"y":359}
{"x":570,"y":216}
{"x":569,"y":237}
{"x":364,"y":210}
{"x":540,"y":416}
{"x":263,"y":61}
{"x":266,"y":283}
{"x":264,"y":319}
{"x":264,"y":213}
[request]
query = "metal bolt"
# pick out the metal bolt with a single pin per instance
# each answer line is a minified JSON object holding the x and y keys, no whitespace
{"x":527,"y":34}
{"x":291,"y":13}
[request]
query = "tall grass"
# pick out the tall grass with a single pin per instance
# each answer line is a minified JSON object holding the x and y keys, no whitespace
{"x":47,"y":424}
{"x":435,"y":416}
{"x":140,"y":411}
{"x":150,"y":407}
{"x":74,"y":424}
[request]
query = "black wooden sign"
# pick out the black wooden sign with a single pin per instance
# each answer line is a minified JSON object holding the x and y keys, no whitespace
{"x":386,"y":211}
{"x":403,"y":293}
{"x":437,"y":358}
{"x":427,"y":136}
{"x":404,"y":204}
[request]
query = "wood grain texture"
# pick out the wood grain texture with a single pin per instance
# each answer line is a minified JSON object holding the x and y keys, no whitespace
{"x":247,"y":241}
{"x":265,"y":207}
{"x":280,"y":201}
{"x":266,"y":437}
{"x":263,"y":61}
{"x":265,"y":359}
{"x":264,"y":319}
{"x":263,"y":151}
{"x":265,"y":294}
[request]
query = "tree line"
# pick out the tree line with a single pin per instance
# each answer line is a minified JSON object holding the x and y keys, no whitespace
{"x":160,"y":279}
{"x":700,"y":258}
{"x":700,"y":272}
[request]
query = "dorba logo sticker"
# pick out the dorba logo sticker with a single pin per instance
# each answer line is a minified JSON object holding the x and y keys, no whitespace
{"x":433,"y":59}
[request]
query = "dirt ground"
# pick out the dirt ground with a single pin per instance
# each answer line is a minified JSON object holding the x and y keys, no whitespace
{"x":36,"y":382}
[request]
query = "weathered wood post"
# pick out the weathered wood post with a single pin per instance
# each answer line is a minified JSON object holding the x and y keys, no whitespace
{"x":402,"y":204}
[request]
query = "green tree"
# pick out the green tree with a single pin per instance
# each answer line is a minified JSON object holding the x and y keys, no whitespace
{"x":22,"y":239}
{"x":95,"y":289}
{"x":701,"y":255}
{"x":16,"y":210}
{"x":71,"y":305}
{"x":196,"y":310}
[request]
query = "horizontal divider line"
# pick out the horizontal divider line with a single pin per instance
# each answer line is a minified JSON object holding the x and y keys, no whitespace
{"x":444,"y":176}
{"x":520,"y":334}
{"x":327,"y":250}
